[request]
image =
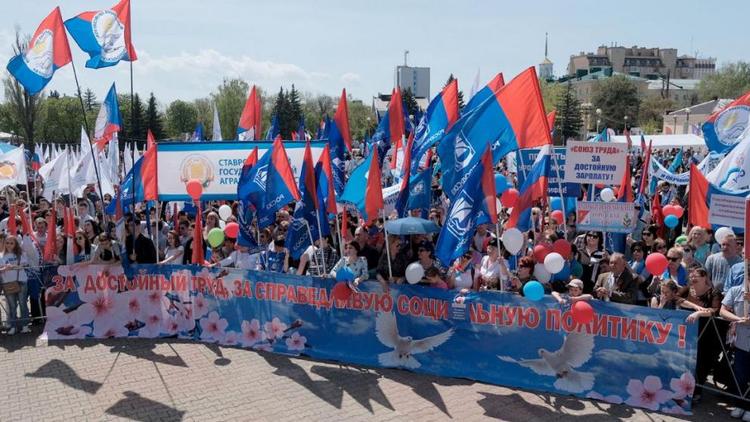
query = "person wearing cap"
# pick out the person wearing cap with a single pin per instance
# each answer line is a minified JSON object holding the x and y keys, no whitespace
{"x":575,"y":293}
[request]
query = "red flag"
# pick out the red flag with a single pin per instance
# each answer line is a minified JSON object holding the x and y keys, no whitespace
{"x":258,"y":122}
{"x":488,"y":184}
{"x":342,"y":120}
{"x":396,"y":116}
{"x":626,"y":191}
{"x":644,"y":171}
{"x":522,"y":104}
{"x":26,"y":226}
{"x":198,"y":257}
{"x":374,"y":189}
{"x":50,"y":248}
{"x":148,"y":170}
{"x":12,"y":228}
{"x":309,"y":168}
{"x":345,"y":226}
{"x":551,"y":119}
{"x":329,"y":193}
{"x":697,"y":205}
{"x":657,"y":217}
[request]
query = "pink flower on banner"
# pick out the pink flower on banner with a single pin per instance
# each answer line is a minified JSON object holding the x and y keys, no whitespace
{"x":648,"y":393}
{"x":153,"y":322}
{"x":185,"y":318}
{"x":68,"y":325}
{"x":263,"y":347}
{"x":683,"y":386}
{"x":213,"y":327}
{"x":275,"y":329}
{"x":296,"y":342}
{"x":103,"y":305}
{"x":230,"y":339}
{"x":110,"y":329}
{"x":171,"y":325}
{"x":200,"y":306}
{"x":251,"y":333}
{"x":614,"y":399}
{"x":154,"y":298}
{"x":133,"y":304}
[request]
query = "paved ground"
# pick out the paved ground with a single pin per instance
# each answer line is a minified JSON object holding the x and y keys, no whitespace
{"x":170,"y":380}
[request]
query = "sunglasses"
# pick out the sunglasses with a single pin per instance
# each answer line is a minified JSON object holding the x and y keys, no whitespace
{"x":673,"y":258}
{"x":422,"y":250}
{"x":595,"y":236}
{"x":646,"y":234}
{"x":687,"y":249}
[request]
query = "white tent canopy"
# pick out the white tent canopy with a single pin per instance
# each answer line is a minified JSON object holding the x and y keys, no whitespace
{"x":665,"y":141}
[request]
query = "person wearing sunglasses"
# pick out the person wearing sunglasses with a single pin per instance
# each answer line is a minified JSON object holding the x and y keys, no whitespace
{"x":82,"y":247}
{"x":648,"y":236}
{"x":590,"y":252}
{"x":675,"y":270}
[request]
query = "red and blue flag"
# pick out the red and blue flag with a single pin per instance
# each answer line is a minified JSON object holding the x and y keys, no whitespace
{"x":483,"y":94}
{"x":108,"y":121}
{"x":512,"y":118}
{"x":441,"y":114}
{"x":339,"y":139}
{"x":280,"y":188}
{"x":104,"y":35}
{"x":307,"y":214}
{"x":47,"y":51}
{"x":534,"y":189}
{"x":723,"y":129}
{"x":324,"y":177}
{"x":356,"y":189}
{"x":275,"y":130}
{"x":248,"y":128}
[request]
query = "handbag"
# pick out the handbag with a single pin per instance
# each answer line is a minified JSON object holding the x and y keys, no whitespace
{"x":11,"y":288}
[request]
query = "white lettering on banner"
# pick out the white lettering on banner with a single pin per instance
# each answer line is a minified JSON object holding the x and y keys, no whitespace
{"x":274,"y":202}
{"x":727,"y":210}
{"x":587,"y":163}
{"x":611,"y":217}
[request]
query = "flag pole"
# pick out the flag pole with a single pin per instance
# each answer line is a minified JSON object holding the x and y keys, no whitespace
{"x":387,"y":247}
{"x":340,"y":235}
{"x":560,"y":191}
{"x":132,"y":151}
{"x":86,"y":125}
{"x":312,"y":243}
{"x":746,"y":258}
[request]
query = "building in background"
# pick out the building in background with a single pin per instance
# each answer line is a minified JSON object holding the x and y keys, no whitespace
{"x":688,"y":120}
{"x":417,"y":79}
{"x":643,"y":62}
{"x":546,"y":67}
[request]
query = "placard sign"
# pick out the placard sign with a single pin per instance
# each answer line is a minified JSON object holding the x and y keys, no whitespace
{"x":216,"y":164}
{"x":610,"y":217}
{"x":727,"y":210}
{"x":595,"y":162}
{"x":556,"y":172}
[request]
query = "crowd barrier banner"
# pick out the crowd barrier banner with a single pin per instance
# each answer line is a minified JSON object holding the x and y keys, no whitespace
{"x":556,"y":173}
{"x":595,"y":162}
{"x":639,"y":356}
{"x":217,"y":165}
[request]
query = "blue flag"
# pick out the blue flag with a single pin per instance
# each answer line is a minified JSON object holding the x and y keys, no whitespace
{"x":356,"y":186}
{"x":274,"y":130}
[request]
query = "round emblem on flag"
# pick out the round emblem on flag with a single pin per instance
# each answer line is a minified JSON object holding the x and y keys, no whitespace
{"x":7,"y":170}
{"x":197,"y":167}
{"x":731,"y":123}
{"x":39,"y":57}
{"x":110,"y":34}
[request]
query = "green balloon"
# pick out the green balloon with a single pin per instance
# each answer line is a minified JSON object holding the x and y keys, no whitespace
{"x":215,"y":237}
{"x":681,"y":239}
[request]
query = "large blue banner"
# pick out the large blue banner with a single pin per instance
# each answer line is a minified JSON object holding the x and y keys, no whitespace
{"x":634,"y":355}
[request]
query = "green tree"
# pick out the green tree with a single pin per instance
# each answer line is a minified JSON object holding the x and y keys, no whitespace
{"x":651,"y":112}
{"x":89,"y":99}
{"x":205,"y":114}
{"x":181,"y":117}
{"x":61,"y":120}
{"x":731,"y":81}
{"x":361,"y":119}
{"x":295,"y":106}
{"x":24,"y":108}
{"x":552,"y":92}
{"x":137,"y":123}
{"x":230,"y":99}
{"x":568,"y":120}
{"x":280,"y":111}
{"x":460,"y":93}
{"x":410,"y":102}
{"x":154,"y":120}
{"x":617,"y":97}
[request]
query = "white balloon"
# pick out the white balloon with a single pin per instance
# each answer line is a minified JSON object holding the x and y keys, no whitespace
{"x":512,"y":240}
{"x":541,"y":273}
{"x":721,"y":233}
{"x":225,"y":211}
{"x":414,"y":273}
{"x":554,"y":262}
{"x":607,"y":195}
{"x":222,"y":224}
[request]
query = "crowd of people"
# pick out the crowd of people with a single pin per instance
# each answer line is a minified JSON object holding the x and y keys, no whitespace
{"x":705,"y":274}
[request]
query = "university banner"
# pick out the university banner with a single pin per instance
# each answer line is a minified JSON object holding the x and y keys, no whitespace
{"x":639,"y":356}
{"x":217,"y":165}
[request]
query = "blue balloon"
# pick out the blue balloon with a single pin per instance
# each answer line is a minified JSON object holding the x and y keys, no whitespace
{"x":556,"y":203}
{"x":671,"y":221}
{"x":563,"y":274}
{"x":344,"y":274}
{"x":501,"y":185}
{"x":533,"y":291}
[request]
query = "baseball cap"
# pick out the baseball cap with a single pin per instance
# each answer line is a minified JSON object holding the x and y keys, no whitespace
{"x":576,"y":283}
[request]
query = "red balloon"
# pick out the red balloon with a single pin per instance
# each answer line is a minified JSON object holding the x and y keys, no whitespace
{"x":541,"y":251}
{"x":678,"y":211}
{"x":656,"y":263}
{"x":509,"y":198}
{"x":669,"y":210}
{"x":194,"y":189}
{"x":582,"y":312}
{"x":341,"y":291}
{"x":562,"y":247}
{"x":558,"y":216}
{"x":232,"y":230}
{"x":599,"y":186}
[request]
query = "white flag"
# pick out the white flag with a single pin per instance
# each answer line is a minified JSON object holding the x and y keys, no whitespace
{"x":55,"y":175}
{"x":13,"y":167}
{"x":217,"y":126}
{"x":475,"y":85}
{"x":733,"y":172}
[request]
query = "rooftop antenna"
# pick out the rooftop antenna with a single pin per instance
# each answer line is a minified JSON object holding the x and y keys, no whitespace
{"x":545,"y":44}
{"x":406,"y":53}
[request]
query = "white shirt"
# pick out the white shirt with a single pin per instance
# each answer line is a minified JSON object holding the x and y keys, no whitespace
{"x":489,"y":269}
{"x":243,"y":260}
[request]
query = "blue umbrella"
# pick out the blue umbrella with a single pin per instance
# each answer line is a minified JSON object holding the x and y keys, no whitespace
{"x":411,"y":225}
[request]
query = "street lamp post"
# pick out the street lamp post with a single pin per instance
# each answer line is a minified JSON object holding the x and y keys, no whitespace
{"x":626,"y":122}
{"x":598,"y":119}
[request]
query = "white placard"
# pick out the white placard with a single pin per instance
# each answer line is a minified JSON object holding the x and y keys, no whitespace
{"x":595,"y":162}
{"x":727,"y":210}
